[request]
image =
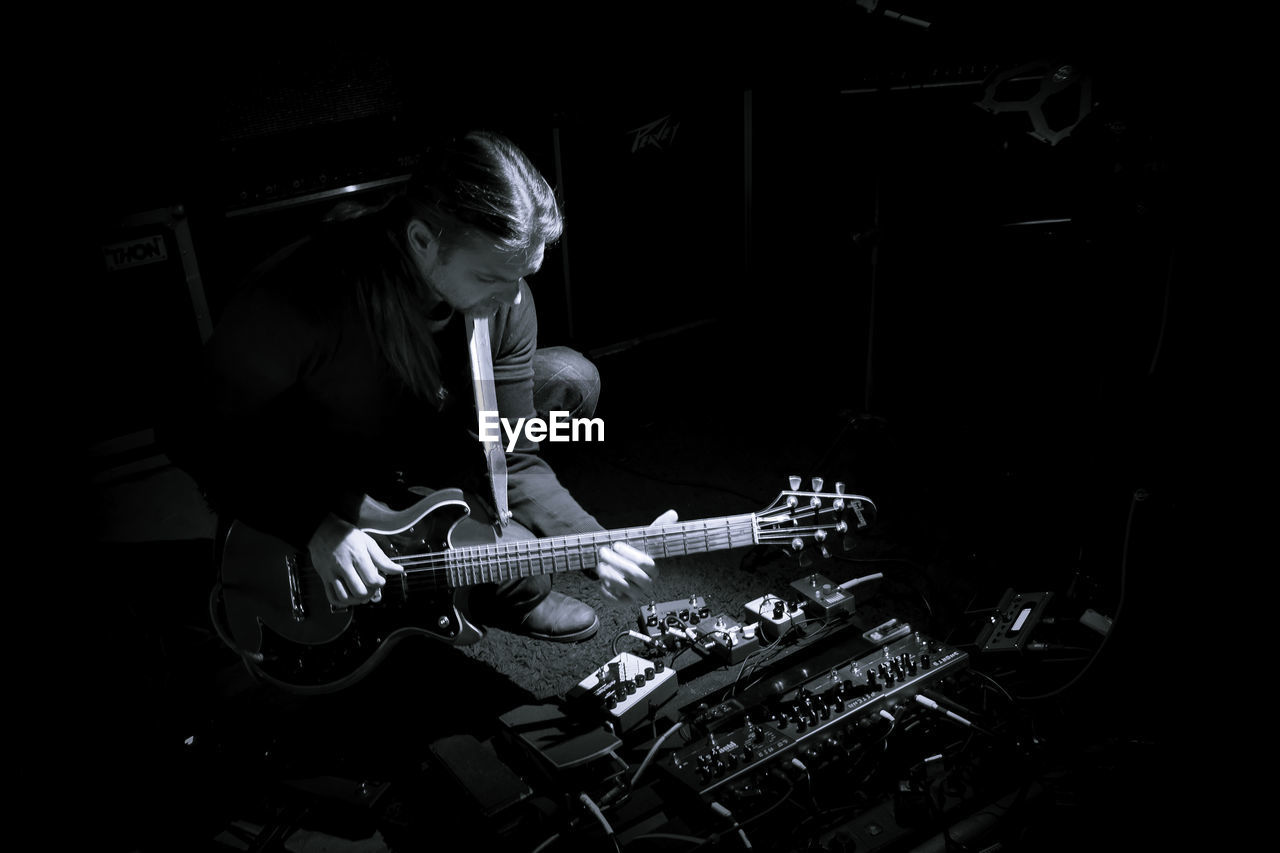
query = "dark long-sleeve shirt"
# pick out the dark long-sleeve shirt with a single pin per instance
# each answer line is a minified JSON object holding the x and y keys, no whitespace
{"x":297,"y":414}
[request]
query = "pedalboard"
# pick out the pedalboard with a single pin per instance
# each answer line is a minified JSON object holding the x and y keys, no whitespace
{"x":626,"y":689}
{"x":1015,"y":617}
{"x":690,"y":620}
{"x":822,"y":719}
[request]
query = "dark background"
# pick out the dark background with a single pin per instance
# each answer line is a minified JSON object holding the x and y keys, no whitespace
{"x":833,"y":263}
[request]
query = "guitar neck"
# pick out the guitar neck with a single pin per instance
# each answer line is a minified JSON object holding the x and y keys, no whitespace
{"x":507,"y":561}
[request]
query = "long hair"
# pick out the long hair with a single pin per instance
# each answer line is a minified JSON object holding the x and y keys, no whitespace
{"x":479,"y":186}
{"x":482,"y":186}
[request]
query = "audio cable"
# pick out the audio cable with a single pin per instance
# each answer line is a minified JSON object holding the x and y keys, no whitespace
{"x":951,"y":715}
{"x":599,"y":816}
{"x":728,"y":815}
{"x":653,"y":750}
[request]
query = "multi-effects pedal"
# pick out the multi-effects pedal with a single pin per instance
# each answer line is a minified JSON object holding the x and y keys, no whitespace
{"x":820,"y":718}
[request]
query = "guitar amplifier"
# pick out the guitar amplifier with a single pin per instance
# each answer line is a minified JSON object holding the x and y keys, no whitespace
{"x":146,"y":320}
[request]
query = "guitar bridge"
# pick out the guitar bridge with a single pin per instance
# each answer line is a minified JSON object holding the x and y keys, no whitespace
{"x":296,"y":604}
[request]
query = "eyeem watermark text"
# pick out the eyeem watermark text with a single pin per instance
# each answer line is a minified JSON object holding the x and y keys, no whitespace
{"x":558,"y":427}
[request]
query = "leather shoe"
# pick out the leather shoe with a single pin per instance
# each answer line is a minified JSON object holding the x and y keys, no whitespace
{"x":560,"y":619}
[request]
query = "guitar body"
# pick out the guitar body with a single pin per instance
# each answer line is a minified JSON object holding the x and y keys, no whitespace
{"x":281,"y":620}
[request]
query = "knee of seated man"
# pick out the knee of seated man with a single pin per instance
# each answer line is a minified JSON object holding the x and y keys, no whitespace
{"x":565,"y":381}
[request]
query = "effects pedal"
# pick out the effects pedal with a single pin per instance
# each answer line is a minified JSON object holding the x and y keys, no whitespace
{"x":626,"y":689}
{"x":777,"y":616}
{"x":832,"y":717}
{"x":676,"y":617}
{"x":892,"y":629}
{"x":726,"y":638}
{"x":1015,"y":618}
{"x":823,"y":597}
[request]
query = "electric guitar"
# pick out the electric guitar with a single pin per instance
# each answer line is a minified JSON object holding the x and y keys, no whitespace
{"x":282,"y":623}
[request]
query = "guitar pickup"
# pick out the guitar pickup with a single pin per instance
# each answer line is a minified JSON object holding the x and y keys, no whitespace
{"x":296,"y":604}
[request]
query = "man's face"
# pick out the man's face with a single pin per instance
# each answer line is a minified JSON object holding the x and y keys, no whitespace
{"x":478,"y":279}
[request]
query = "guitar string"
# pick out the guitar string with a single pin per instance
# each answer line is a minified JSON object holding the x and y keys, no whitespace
{"x":471,"y":569}
{"x":491,"y":550}
{"x":685,"y":530}
{"x":433,"y":568}
{"x":428,"y":569}
{"x":467,"y":562}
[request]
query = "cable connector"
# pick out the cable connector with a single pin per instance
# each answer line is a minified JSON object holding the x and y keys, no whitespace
{"x":728,"y":815}
{"x":952,"y":715}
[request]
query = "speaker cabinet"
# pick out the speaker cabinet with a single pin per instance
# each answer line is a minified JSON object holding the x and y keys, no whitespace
{"x":142,"y":296}
{"x":655,"y":189}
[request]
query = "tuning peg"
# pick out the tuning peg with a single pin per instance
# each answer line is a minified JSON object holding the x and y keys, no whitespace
{"x":795,"y":482}
{"x":817,"y":484}
{"x":820,"y":535}
{"x":797,"y":544}
{"x":838,"y":503}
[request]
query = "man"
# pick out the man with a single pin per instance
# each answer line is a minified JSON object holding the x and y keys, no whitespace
{"x":340,"y":375}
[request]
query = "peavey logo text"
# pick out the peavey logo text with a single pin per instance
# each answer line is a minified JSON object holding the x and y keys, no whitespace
{"x":558,"y":427}
{"x":655,"y":134}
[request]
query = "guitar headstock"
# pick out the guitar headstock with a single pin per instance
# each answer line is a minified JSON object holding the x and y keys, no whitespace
{"x":804,"y":521}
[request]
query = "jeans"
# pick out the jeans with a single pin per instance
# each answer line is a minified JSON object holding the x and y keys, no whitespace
{"x":563,"y":381}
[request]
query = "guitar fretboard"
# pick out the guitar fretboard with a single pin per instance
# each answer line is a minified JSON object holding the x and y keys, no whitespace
{"x":509,"y":560}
